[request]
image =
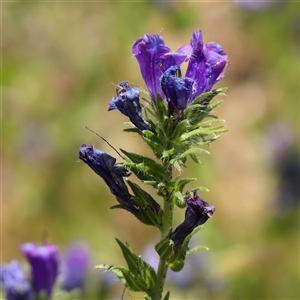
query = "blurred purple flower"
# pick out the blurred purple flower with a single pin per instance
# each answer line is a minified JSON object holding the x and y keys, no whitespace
{"x":256,"y":5}
{"x":75,"y":266}
{"x":128,"y":103}
{"x":13,"y":282}
{"x":104,"y":165}
{"x":197,"y":213}
{"x":44,"y":266}
{"x":160,"y":68}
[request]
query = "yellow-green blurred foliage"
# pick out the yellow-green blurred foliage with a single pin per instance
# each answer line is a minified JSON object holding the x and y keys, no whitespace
{"x":60,"y":64}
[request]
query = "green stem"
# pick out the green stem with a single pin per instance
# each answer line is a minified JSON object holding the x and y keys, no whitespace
{"x":167,"y":226}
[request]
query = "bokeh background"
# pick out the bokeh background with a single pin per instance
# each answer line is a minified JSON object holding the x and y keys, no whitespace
{"x":60,"y":64}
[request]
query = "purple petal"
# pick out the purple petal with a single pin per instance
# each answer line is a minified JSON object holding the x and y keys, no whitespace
{"x":182,"y":55}
{"x":206,"y":65}
{"x":154,"y":58}
{"x":148,"y":51}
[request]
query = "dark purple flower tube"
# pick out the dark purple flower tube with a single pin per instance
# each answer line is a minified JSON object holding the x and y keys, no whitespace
{"x":177,"y":90}
{"x":13,"y":282}
{"x":104,"y":165}
{"x":197,"y":213}
{"x":44,"y":264}
{"x":75,"y":266}
{"x":128,"y":103}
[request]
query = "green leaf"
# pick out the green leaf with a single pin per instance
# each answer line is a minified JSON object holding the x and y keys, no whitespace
{"x":208,"y":96}
{"x":148,"y":167}
{"x":152,"y":183}
{"x":161,"y":108}
{"x":156,"y":147}
{"x":129,"y":256}
{"x":134,"y":130}
{"x":126,"y":277}
{"x":193,"y":151}
{"x":180,"y":129}
{"x":150,"y":212}
{"x":188,"y":238}
{"x":167,"y":296}
{"x":196,"y":249}
{"x":195,"y":159}
{"x":183,"y":182}
{"x":200,"y":188}
{"x":211,"y":121}
{"x":116,"y":206}
{"x":179,"y":199}
{"x":139,"y":271}
{"x":200,"y":108}
{"x":164,"y":248}
{"x":196,"y":132}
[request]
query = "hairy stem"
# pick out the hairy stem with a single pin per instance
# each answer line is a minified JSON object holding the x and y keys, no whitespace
{"x":166,"y":228}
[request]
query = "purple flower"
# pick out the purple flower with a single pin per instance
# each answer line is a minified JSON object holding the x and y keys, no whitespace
{"x":197,"y":213}
{"x":160,"y":68}
{"x":13,"y":282}
{"x":104,"y":165}
{"x":75,"y":266}
{"x":128,"y":103}
{"x":44,"y":266}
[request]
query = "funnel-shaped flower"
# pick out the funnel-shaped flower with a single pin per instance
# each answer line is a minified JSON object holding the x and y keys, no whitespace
{"x":128,"y":103}
{"x":197,"y":213}
{"x":13,"y":282}
{"x":104,"y":165}
{"x":159,"y":67}
{"x":44,"y":266}
{"x":75,"y":266}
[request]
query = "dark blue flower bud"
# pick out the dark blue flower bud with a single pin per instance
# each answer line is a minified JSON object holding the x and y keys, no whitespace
{"x":44,"y":266}
{"x":13,"y":282}
{"x":128,"y":103}
{"x":177,"y":90}
{"x":197,"y":213}
{"x":104,"y":165}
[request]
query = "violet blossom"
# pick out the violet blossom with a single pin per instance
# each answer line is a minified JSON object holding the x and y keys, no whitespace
{"x":44,"y":266}
{"x":160,"y":68}
{"x":75,"y":266}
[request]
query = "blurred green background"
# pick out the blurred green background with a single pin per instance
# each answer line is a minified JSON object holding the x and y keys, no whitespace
{"x":60,"y":64}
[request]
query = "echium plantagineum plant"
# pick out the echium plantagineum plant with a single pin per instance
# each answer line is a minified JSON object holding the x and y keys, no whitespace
{"x":176,"y":123}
